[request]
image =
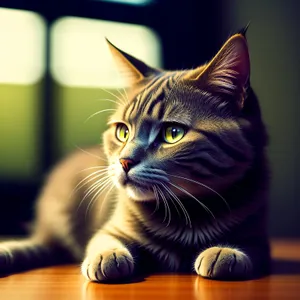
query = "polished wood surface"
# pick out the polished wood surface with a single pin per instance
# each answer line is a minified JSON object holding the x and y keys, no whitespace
{"x":65,"y":282}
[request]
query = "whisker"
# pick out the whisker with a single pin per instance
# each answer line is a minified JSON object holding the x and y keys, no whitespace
{"x":185,"y":212}
{"x":99,"y":112}
{"x":167,"y":208}
{"x":112,"y":94}
{"x":96,"y":174}
{"x":187,"y":217}
{"x":205,"y":186}
{"x":159,"y":193}
{"x":192,"y":196}
{"x":105,"y":184}
{"x":106,"y":195}
{"x":121,"y":94}
{"x":109,"y":100}
{"x":91,"y":154}
{"x":156,"y":199}
{"x":126,"y":95}
{"x":97,"y":186}
{"x":96,"y":167}
{"x":92,"y":188}
{"x":170,"y":197}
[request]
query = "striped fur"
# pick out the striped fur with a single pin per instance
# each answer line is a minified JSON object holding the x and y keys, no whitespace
{"x":197,"y":205}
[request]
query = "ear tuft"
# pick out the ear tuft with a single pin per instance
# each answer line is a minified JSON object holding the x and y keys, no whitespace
{"x":130,"y":67}
{"x":244,"y":30}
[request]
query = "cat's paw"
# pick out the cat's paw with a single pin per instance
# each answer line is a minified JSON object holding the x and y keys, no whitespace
{"x":223,"y":263}
{"x":109,"y":265}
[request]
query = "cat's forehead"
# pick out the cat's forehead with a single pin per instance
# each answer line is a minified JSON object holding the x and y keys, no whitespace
{"x":164,"y":99}
{"x":158,"y":110}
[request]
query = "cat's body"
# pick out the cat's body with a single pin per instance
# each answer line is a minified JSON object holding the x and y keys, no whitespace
{"x":190,"y":181}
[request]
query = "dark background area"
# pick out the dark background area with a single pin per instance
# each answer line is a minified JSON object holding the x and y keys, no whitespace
{"x":190,"y":33}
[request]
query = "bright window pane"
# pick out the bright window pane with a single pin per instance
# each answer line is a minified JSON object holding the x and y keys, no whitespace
{"x":22,"y":49}
{"x":22,"y":65}
{"x":80,"y":55}
{"x":19,"y":130}
{"x":132,"y":2}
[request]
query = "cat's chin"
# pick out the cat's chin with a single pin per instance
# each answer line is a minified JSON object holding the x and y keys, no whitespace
{"x":139,"y":194}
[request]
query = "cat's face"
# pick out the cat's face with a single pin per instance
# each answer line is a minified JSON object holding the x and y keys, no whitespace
{"x":179,"y":132}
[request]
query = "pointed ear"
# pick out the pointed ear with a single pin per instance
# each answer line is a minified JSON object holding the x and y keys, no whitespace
{"x":130,"y":67}
{"x":228,"y":72}
{"x":244,"y":30}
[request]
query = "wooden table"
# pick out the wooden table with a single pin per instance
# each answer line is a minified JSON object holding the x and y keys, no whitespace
{"x":65,"y":282}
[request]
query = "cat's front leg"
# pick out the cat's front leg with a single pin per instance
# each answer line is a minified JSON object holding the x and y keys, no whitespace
{"x":232,"y":263}
{"x":107,"y":259}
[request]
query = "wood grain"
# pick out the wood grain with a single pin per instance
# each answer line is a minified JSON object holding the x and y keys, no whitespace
{"x":65,"y":282}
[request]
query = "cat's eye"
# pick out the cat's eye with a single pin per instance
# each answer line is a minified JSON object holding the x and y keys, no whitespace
{"x":122,"y":132}
{"x":173,"y":133}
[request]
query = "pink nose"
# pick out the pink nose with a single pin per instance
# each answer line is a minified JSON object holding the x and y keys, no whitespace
{"x":126,"y":163}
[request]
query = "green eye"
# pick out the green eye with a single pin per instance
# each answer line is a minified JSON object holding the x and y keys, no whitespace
{"x":173,"y":133}
{"x":122,"y":132}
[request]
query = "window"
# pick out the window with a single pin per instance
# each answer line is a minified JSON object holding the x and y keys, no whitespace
{"x":132,"y":2}
{"x":22,"y":61}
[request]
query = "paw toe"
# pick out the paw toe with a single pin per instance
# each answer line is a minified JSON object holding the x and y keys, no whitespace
{"x":113,"y":264}
{"x":223,"y":263}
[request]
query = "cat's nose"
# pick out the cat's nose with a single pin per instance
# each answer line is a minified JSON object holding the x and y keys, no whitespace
{"x":126,"y":163}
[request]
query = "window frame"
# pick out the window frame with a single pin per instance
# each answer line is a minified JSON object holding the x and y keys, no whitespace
{"x":182,"y":29}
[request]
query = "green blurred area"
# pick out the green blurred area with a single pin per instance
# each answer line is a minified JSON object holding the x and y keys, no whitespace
{"x":74,"y":126}
{"x":21,"y":119}
{"x":20,"y":129}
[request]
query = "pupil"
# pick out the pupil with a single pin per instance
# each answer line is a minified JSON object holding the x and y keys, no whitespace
{"x":174,"y":133}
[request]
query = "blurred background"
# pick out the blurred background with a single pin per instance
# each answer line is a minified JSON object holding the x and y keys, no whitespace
{"x":55,"y":68}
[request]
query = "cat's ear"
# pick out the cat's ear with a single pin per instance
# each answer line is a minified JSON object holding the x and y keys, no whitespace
{"x":228,"y":72}
{"x":132,"y":69}
{"x":244,"y":30}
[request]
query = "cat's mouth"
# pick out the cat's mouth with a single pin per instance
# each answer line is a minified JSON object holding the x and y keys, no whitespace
{"x":139,"y":182}
{"x":130,"y":182}
{"x":137,"y":190}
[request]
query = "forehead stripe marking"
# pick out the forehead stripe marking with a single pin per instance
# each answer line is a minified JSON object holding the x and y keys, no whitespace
{"x":136,"y":102}
{"x":160,"y":94}
{"x":161,"y":110}
{"x":130,"y":109}
{"x":165,"y":91}
{"x":158,"y":99}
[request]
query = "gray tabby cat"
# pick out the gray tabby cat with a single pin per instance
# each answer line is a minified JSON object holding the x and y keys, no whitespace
{"x":186,"y":181}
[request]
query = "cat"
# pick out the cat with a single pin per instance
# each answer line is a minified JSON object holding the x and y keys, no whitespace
{"x":183,"y":187}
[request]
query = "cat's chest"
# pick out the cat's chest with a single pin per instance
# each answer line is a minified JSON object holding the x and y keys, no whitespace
{"x":180,"y":238}
{"x":172,"y":251}
{"x":176,"y":249}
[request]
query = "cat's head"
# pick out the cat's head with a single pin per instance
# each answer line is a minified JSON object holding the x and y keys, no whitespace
{"x":184,"y":132}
